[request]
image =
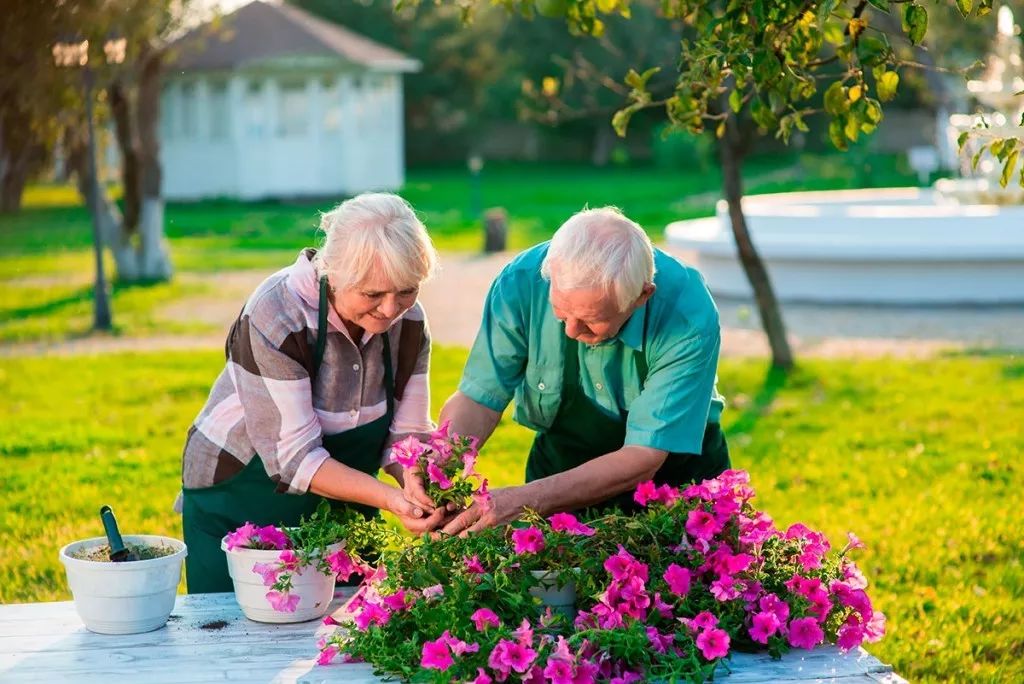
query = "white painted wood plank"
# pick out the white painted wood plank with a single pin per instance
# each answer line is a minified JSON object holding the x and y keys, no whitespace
{"x":48,"y":642}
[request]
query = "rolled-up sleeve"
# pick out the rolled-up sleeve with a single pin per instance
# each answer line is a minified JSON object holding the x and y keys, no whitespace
{"x":671,"y":412}
{"x":498,"y":358}
{"x":275,"y":390}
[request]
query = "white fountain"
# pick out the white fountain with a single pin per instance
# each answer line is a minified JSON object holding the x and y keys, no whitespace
{"x":959,"y":243}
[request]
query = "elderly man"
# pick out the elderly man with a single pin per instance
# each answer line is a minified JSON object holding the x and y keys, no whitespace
{"x":610,"y":349}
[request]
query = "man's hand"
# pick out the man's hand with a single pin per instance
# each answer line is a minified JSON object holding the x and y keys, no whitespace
{"x":415,"y":492}
{"x":505,"y":506}
{"x":412,"y":516}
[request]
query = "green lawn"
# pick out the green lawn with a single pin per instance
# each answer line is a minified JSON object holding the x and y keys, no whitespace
{"x":920,"y":459}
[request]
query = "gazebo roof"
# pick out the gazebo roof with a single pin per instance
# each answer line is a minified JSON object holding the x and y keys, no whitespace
{"x":260,"y":31}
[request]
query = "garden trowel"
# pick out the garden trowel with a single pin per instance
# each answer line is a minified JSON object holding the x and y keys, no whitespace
{"x":118,"y":551}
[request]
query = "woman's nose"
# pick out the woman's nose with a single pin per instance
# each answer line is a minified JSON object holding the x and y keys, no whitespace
{"x":389,"y":306}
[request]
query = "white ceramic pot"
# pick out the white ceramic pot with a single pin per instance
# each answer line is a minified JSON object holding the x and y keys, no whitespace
{"x":314,"y":589}
{"x":124,"y":598}
{"x":561,"y":600}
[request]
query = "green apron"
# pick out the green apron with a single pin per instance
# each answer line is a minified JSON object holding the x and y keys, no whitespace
{"x":251,"y":496}
{"x":581,"y":432}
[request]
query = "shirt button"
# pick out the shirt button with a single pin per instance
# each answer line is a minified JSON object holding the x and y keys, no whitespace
{"x":599,"y":386}
{"x":355,"y":366}
{"x":541,"y":386}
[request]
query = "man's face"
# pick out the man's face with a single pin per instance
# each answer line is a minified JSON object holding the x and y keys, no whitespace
{"x":591,"y":315}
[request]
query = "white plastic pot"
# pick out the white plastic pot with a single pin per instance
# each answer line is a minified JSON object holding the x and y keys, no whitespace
{"x":314,"y":589}
{"x":124,"y":598}
{"x":560,"y":600}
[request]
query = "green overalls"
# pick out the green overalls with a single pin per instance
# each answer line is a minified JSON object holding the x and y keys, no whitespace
{"x":581,"y":432}
{"x":251,"y":496}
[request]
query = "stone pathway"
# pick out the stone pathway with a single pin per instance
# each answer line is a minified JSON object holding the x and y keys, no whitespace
{"x":454,"y":301}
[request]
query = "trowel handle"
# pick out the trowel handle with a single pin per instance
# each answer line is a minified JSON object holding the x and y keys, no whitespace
{"x":110,"y":527}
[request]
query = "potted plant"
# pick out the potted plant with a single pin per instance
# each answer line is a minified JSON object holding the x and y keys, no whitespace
{"x":665,"y":595}
{"x":125,"y":597}
{"x":287,"y":574}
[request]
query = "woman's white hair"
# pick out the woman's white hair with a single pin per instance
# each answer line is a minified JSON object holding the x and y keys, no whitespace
{"x":601,"y":248}
{"x":374,"y":231}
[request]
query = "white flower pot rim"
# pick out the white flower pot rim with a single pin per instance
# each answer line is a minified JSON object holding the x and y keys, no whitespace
{"x":129,"y":566}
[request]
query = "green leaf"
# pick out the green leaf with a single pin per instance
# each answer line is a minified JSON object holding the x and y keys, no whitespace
{"x":915,"y":23}
{"x":977,"y":158}
{"x":984,"y":7}
{"x":835,"y":99}
{"x":872,"y":111}
{"x":835,"y":133}
{"x":1022,"y":115}
{"x":852,"y":127}
{"x":620,"y":121}
{"x":735,"y":101}
{"x":639,"y":81}
{"x":962,"y":140}
{"x":880,"y":4}
{"x":825,"y":10}
{"x":964,"y":6}
{"x":1008,"y":166}
{"x":887,"y":85}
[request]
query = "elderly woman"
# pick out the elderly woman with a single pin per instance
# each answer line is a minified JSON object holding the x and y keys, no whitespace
{"x":326,"y":369}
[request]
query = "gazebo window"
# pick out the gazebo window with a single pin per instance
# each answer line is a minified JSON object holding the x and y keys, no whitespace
{"x":189,"y":108}
{"x":220,"y":120}
{"x":255,"y":111}
{"x":293,"y":113}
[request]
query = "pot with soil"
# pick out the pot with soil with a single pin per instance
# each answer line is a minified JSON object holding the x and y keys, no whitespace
{"x":125,"y":597}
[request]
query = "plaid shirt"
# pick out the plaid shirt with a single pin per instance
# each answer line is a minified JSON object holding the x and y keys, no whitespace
{"x":265,"y":403}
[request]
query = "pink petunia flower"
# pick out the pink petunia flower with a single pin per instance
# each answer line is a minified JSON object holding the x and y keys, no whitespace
{"x":875,"y":627}
{"x":395,"y":602}
{"x":432,"y":591}
{"x":330,"y":621}
{"x":773,"y":604}
{"x":659,"y":642}
{"x":713,"y":643}
{"x":850,"y":636}
{"x":458,"y":646}
{"x":485,"y":617}
{"x":482,"y":497}
{"x":645,"y":493}
{"x":268,"y":571}
{"x":510,"y":656}
{"x":704,"y":620}
{"x":327,"y":655}
{"x":482,"y":677}
{"x":528,"y":540}
{"x":702,"y":525}
{"x":241,"y":538}
{"x":437,"y":476}
{"x":678,"y":579}
{"x":567,"y":522}
{"x":436,"y":655}
{"x":272,"y":537}
{"x":408,"y":451}
{"x":805,"y":633}
{"x":764,"y":625}
{"x":473,"y":565}
{"x":342,"y":565}
{"x":282,"y":602}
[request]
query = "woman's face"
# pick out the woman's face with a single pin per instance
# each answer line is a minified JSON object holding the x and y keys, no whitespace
{"x":375,"y":304}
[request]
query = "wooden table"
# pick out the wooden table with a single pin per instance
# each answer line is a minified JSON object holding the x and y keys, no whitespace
{"x":208,"y":639}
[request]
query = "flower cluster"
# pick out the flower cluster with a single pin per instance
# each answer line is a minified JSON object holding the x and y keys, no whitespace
{"x":324,"y":542}
{"x":447,"y":461}
{"x":663,"y":595}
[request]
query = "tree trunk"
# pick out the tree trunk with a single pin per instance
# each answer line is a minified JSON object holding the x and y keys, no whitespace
{"x":19,"y":156}
{"x":154,"y":258}
{"x":604,"y":141}
{"x":127,"y":141}
{"x":731,"y":153}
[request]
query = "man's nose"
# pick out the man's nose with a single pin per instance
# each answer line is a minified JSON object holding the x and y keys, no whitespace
{"x":572,"y":327}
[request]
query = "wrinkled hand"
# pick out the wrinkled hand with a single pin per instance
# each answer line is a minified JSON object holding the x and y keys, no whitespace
{"x":415,"y":492}
{"x":504,"y":507}
{"x":413,"y":517}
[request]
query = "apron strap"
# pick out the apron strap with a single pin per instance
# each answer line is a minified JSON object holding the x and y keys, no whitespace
{"x":640,"y":355}
{"x":321,"y":327}
{"x":321,"y":346}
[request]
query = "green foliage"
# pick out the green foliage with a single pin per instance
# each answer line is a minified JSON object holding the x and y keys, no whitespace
{"x":767,"y":60}
{"x":921,"y":458}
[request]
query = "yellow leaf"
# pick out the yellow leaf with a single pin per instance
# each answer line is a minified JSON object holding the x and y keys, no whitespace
{"x":607,"y":6}
{"x":549,"y":86}
{"x":855,"y":93}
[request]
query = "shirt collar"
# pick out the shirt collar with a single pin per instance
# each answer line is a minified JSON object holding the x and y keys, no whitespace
{"x":632,"y":332}
{"x":304,"y":282}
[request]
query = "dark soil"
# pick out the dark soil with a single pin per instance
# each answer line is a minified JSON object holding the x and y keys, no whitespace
{"x":216,"y":624}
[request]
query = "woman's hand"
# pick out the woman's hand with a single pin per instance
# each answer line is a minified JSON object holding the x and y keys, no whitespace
{"x":415,"y":492}
{"x":413,"y":517}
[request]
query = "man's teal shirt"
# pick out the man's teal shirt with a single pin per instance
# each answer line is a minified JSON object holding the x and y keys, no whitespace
{"x":519,"y":350}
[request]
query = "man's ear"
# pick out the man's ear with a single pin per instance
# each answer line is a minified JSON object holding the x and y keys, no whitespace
{"x":646,"y":293}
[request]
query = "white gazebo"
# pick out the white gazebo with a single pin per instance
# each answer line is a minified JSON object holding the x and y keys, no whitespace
{"x":273,"y":102}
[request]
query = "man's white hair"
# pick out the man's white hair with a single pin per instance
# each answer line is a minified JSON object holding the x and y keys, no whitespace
{"x":374,"y":232}
{"x":601,"y":248}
